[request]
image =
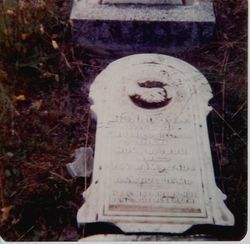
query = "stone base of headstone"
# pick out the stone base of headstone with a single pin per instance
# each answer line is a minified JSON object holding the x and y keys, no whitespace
{"x":143,"y":238}
{"x":130,"y":28}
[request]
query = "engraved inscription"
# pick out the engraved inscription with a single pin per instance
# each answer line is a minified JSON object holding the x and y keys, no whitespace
{"x":153,"y":160}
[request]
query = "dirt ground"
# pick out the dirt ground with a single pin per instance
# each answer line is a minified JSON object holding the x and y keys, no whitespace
{"x":44,"y":116}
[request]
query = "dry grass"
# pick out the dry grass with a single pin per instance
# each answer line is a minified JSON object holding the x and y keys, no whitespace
{"x":40,"y":131}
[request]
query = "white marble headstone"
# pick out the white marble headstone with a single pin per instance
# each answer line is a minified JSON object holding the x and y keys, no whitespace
{"x":153,"y":169}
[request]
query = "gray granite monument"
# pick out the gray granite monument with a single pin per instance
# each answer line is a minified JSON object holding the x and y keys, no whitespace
{"x":129,"y":26}
{"x":153,"y":169}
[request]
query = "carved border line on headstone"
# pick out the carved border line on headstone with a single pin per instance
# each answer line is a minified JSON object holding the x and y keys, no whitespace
{"x":153,"y":169}
{"x":148,"y":2}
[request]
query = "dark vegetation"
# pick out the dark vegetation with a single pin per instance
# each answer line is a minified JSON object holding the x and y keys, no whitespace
{"x":44,"y":115}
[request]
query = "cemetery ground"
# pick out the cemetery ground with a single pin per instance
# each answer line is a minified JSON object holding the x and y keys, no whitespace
{"x":45,"y":116}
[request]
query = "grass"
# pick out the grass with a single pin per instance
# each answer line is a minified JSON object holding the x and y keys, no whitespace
{"x":44,"y":116}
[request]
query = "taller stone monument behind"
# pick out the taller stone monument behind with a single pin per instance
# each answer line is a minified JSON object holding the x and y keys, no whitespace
{"x":153,"y":169}
{"x":128,"y":26}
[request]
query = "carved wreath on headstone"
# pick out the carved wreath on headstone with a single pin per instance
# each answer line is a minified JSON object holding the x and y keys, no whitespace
{"x":149,"y":94}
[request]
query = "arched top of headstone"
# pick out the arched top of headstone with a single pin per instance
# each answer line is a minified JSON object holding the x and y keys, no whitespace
{"x":150,"y":82}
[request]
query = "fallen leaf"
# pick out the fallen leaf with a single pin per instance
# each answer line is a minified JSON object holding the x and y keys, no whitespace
{"x":5,"y":213}
{"x":19,"y":98}
{"x":9,"y":154}
{"x":47,"y":75}
{"x":54,"y":44}
{"x":36,"y":104}
{"x":42,"y":3}
{"x":24,"y":36}
{"x":9,"y":12}
{"x":15,"y":221}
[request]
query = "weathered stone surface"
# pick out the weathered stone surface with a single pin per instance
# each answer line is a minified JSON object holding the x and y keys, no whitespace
{"x":141,"y":28}
{"x":153,"y":170}
{"x":152,"y":238}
